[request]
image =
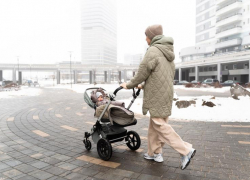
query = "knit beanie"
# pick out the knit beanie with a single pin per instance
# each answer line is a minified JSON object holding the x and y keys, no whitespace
{"x":153,"y":31}
{"x":98,"y":94}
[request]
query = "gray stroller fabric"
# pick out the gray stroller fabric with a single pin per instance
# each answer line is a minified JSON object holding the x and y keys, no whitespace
{"x":120,"y":115}
{"x":117,"y":114}
{"x":115,"y":103}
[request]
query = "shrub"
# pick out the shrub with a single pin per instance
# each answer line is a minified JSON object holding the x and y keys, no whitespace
{"x":189,"y":85}
{"x":217,"y":85}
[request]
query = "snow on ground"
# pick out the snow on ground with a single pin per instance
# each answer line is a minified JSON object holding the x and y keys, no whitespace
{"x":80,"y":88}
{"x":226,"y":109}
{"x":24,"y":91}
{"x":207,"y":89}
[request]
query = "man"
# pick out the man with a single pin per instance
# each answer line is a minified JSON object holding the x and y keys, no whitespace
{"x":155,"y":75}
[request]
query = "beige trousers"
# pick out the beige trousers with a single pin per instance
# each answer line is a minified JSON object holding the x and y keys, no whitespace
{"x":159,"y":133}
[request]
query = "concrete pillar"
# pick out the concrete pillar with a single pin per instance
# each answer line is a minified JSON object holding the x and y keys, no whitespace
{"x":120,"y":76}
{"x":14,"y":75}
{"x":75,"y":76}
{"x":125,"y":75}
{"x":1,"y":75}
{"x":105,"y":76}
{"x":58,"y":76}
{"x":249,"y":71}
{"x":196,"y":73}
{"x":109,"y":77}
{"x":180,"y":74}
{"x":92,"y":77}
{"x":20,"y":77}
{"x":219,"y":72}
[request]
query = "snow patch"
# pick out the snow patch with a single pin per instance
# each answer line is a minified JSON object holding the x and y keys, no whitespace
{"x":23,"y":91}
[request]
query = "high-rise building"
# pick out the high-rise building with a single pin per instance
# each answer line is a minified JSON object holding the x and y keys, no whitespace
{"x":222,"y":34}
{"x":98,"y":28}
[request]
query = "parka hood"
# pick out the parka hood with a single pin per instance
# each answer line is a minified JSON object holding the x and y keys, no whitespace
{"x":165,"y":45}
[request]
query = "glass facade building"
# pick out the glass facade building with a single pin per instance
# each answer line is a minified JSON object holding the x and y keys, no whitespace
{"x":99,"y":32}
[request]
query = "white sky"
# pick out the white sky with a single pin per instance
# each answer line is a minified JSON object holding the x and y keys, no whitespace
{"x":44,"y":31}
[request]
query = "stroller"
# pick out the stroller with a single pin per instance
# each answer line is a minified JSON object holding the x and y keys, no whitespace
{"x":105,"y":132}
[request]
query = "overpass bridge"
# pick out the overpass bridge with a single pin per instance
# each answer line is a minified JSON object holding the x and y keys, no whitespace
{"x":74,"y":69}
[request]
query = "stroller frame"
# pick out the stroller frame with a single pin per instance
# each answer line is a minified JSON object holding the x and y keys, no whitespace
{"x":103,"y":133}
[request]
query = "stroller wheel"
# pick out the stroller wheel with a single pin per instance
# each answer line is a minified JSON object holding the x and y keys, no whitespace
{"x":87,"y":144}
{"x":134,"y":140}
{"x":104,"y":149}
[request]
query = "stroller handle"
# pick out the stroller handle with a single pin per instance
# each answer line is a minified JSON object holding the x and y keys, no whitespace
{"x":118,"y":89}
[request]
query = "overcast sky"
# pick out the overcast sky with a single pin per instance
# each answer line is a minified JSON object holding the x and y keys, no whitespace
{"x":44,"y":31}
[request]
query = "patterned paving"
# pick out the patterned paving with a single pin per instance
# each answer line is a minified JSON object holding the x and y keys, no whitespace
{"x":41,"y":138}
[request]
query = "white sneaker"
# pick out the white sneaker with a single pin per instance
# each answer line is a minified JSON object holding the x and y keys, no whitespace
{"x":146,"y":156}
{"x":185,"y":160}
{"x":158,"y":158}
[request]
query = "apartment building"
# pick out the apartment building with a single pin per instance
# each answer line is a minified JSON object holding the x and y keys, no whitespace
{"x":222,"y":49}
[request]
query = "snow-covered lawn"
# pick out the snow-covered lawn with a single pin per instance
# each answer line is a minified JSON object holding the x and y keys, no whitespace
{"x":80,"y":88}
{"x":24,"y":91}
{"x":207,"y":89}
{"x":226,"y":109}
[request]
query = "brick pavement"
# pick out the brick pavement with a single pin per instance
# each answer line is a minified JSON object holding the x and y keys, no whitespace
{"x":41,"y":138}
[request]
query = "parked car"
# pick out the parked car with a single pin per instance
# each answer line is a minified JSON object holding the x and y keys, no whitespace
{"x":230,"y":82}
{"x":210,"y":81}
{"x":175,"y":82}
{"x":182,"y":83}
{"x":2,"y":83}
{"x":195,"y":82}
{"x":36,"y":83}
{"x":28,"y":82}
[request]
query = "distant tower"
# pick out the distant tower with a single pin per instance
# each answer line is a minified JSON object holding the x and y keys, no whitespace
{"x":98,"y":29}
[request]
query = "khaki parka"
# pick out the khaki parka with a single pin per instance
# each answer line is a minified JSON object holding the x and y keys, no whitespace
{"x":157,"y":71}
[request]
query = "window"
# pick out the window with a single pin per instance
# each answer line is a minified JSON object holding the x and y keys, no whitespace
{"x":246,"y":66}
{"x":235,"y":66}
{"x":205,"y":69}
{"x":202,"y":8}
{"x":225,"y":67}
{"x":202,"y":27}
{"x":235,"y":78}
{"x":202,"y":37}
{"x":202,"y":17}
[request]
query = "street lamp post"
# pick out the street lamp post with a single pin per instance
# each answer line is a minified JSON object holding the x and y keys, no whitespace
{"x":18,"y":69}
{"x":70,"y":69}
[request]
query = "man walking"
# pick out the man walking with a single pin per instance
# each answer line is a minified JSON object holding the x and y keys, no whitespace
{"x":155,"y":75}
